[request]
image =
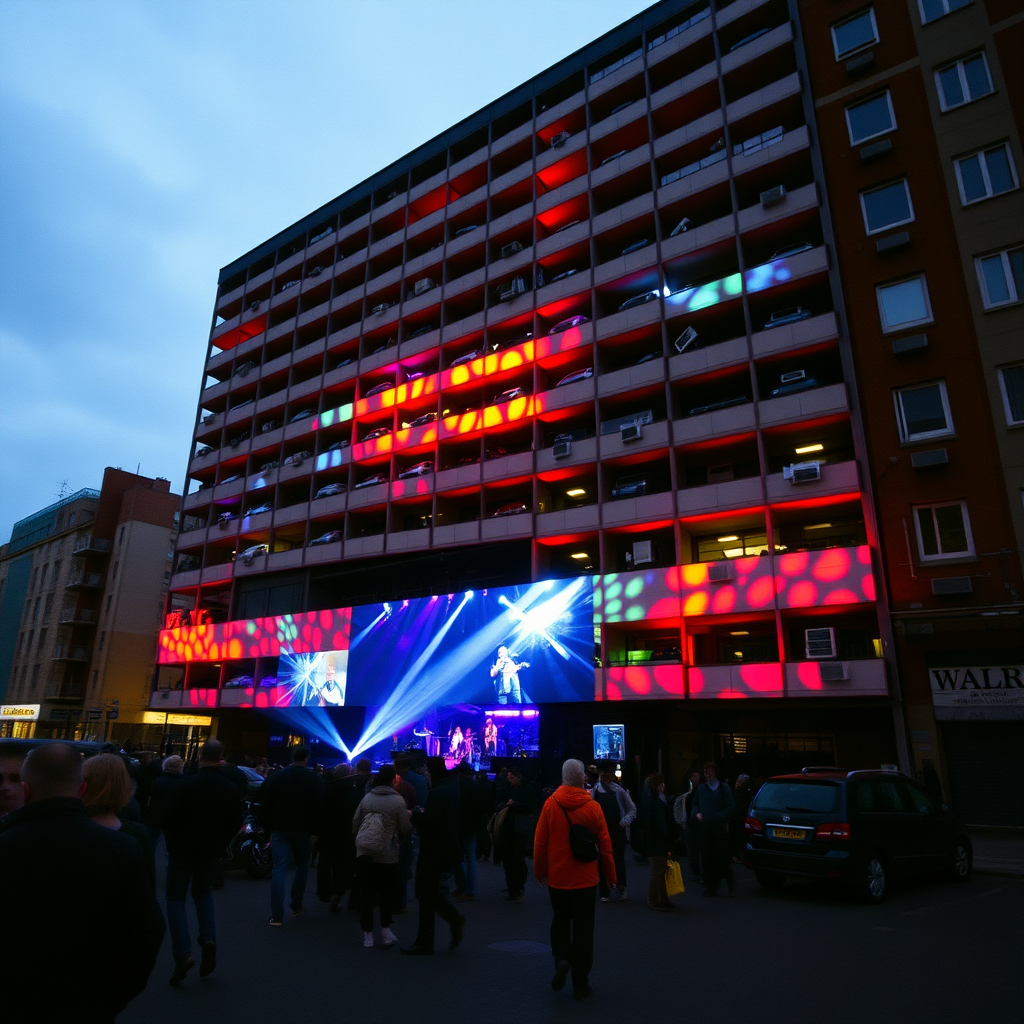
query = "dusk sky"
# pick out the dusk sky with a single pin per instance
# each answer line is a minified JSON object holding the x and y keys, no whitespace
{"x":143,"y":146}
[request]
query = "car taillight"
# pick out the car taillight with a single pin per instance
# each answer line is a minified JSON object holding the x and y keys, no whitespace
{"x":753,"y":827}
{"x":834,"y":830}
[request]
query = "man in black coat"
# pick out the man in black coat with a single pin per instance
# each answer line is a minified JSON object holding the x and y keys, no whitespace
{"x":291,"y":803}
{"x":202,"y":817}
{"x":712,"y":807}
{"x":60,"y":872}
{"x":517,"y":833}
{"x":438,"y":825}
{"x":161,"y":790}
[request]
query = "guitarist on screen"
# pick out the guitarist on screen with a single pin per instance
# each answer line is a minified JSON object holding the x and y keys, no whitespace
{"x":507,"y":686}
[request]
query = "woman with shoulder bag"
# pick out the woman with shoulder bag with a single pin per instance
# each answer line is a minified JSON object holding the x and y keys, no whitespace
{"x":380,"y":821}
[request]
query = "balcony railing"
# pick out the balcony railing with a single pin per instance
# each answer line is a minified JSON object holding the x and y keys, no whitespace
{"x":92,"y":579}
{"x":91,"y":545}
{"x":78,"y":617}
{"x":65,"y":652}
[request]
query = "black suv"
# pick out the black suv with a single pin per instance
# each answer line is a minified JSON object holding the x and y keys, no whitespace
{"x":863,"y":828}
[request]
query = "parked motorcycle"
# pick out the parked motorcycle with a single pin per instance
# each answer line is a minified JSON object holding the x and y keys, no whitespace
{"x":250,"y":848}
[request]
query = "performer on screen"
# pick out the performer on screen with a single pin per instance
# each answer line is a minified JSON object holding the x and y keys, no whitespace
{"x":507,"y":685}
{"x":331,"y":693}
{"x":490,"y":737}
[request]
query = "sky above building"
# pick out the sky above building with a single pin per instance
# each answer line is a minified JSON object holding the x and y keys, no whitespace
{"x":143,"y":146}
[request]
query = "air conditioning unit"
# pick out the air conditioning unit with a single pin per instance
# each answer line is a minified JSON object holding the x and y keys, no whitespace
{"x":950,"y":586}
{"x":720,"y":474}
{"x":643,"y":552}
{"x":834,"y":671}
{"x":720,"y":572}
{"x":631,"y":432}
{"x":517,"y":286}
{"x":793,"y":376}
{"x":511,"y":249}
{"x":560,"y":139}
{"x":685,"y":340}
{"x":422,"y":285}
{"x":802,"y":472}
{"x":561,"y":450}
{"x":930,"y":459}
{"x":772,"y":196}
{"x":820,"y":642}
{"x":381,"y":309}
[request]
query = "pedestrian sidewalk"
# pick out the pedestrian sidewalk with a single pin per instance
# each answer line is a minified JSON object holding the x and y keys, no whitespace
{"x":998,"y":852}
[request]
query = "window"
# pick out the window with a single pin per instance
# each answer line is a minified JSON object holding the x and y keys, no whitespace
{"x":1001,"y":277}
{"x":943,"y":531}
{"x":35,"y":677}
{"x":963,"y":81}
{"x":920,"y":801}
{"x":120,"y":537}
{"x":42,"y":639}
{"x":887,"y":206}
{"x":904,"y":304}
{"x":48,"y":607}
{"x":854,"y":34}
{"x":35,"y":610}
{"x":21,"y":640}
{"x":103,"y":639}
{"x":42,"y":578}
{"x":867,"y":118}
{"x":923,"y":412}
{"x":56,"y":571}
{"x":932,"y":9}
{"x":1011,"y":383}
{"x":986,"y":173}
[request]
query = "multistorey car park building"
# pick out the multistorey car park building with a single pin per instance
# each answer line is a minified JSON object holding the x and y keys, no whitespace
{"x":82,"y":586}
{"x":594,"y":329}
{"x":919,"y":109}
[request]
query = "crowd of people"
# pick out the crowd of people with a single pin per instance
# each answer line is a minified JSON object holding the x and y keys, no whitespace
{"x":367,"y":834}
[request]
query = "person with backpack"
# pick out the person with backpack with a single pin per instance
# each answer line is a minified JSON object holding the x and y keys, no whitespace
{"x":571,"y":837}
{"x":381,"y":821}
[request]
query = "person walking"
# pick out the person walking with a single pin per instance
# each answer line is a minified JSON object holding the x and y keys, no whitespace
{"x":107,"y":789}
{"x":471,"y":813}
{"x":440,"y":851}
{"x":619,"y":813}
{"x":12,"y":794}
{"x":742,"y":796}
{"x":161,"y":790}
{"x":572,"y":884}
{"x":201,"y":818}
{"x":658,"y":831}
{"x":333,"y":838}
{"x":60,"y":873}
{"x":713,"y":808}
{"x":693,"y":832}
{"x":516,"y":833}
{"x":291,"y":802}
{"x":381,"y":821}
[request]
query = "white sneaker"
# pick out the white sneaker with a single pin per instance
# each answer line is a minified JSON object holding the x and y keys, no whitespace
{"x":367,"y":940}
{"x":388,"y":937}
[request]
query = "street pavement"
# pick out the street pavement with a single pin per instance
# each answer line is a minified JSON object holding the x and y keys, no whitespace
{"x":933,"y":952}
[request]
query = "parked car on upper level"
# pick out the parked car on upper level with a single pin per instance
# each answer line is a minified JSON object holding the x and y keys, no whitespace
{"x":639,"y":300}
{"x":330,"y":537}
{"x":861,"y":828}
{"x":571,"y":378}
{"x":329,"y":490}
{"x":420,"y":469}
{"x":573,"y":321}
{"x":789,"y":315}
{"x":379,"y":389}
{"x":379,"y":432}
{"x":377,"y":478}
{"x":468,"y":357}
{"x":513,"y":508}
{"x":305,"y":414}
{"x":509,"y":396}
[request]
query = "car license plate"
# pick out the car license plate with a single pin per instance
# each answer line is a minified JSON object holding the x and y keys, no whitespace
{"x":789,"y":833}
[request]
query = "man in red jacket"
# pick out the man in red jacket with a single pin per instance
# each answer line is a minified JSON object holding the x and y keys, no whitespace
{"x":572,"y":884}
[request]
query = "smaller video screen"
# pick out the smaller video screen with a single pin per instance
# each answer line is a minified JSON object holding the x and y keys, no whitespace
{"x":312,"y":680}
{"x":609,"y":742}
{"x":465,"y":733}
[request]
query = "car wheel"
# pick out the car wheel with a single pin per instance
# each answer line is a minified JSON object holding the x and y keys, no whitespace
{"x":770,"y":880}
{"x":875,"y":880}
{"x":963,"y":862}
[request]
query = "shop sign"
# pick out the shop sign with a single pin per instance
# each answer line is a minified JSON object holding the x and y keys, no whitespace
{"x":159,"y":718}
{"x":977,"y":687}
{"x":19,"y":712}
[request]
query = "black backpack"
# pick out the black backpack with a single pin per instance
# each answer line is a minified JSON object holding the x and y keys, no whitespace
{"x":582,"y":841}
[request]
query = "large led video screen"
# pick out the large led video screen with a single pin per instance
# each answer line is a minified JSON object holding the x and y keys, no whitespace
{"x":528,"y":644}
{"x":466,"y":733}
{"x":317,"y":679}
